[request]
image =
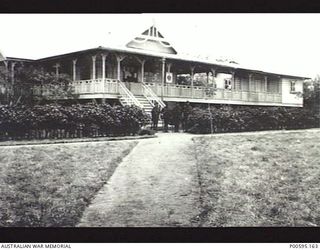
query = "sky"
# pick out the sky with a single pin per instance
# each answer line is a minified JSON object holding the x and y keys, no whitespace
{"x":280,"y":43}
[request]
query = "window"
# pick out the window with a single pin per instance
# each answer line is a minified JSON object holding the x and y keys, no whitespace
{"x":292,"y":86}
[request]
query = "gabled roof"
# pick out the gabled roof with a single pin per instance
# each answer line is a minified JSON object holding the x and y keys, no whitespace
{"x":152,"y":40}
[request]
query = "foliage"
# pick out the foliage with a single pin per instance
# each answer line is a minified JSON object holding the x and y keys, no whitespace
{"x":146,"y":132}
{"x":57,"y":121}
{"x":184,"y":79}
{"x":311,"y":95}
{"x":199,"y":79}
{"x":236,"y":119}
{"x":28,"y":78}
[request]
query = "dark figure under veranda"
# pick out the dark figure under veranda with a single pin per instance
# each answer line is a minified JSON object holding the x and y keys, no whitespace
{"x":155,"y":113}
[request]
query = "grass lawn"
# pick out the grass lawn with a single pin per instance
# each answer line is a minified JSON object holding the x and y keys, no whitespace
{"x":259,"y":179}
{"x":51,"y":185}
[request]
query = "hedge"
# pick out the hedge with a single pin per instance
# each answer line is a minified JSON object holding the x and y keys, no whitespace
{"x":57,"y":121}
{"x":237,"y":119}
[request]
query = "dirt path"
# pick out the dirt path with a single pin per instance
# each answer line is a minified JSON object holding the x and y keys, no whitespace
{"x":155,"y":185}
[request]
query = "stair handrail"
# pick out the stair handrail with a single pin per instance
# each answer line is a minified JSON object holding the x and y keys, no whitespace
{"x":126,"y":93}
{"x":151,"y":96}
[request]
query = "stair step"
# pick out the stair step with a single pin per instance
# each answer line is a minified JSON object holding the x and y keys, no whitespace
{"x":142,"y":100}
{"x":146,"y":105}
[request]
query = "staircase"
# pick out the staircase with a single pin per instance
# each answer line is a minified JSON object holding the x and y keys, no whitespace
{"x":126,"y":97}
{"x":151,"y":96}
{"x":145,"y":101}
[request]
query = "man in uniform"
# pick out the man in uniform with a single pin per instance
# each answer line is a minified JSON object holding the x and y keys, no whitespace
{"x":155,"y":112}
{"x":166,"y":118}
{"x":185,"y":115}
{"x":176,"y":117}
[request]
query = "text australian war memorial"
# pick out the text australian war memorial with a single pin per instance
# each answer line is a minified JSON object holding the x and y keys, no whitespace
{"x":149,"y":70}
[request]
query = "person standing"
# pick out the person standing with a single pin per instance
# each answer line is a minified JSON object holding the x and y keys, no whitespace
{"x":185,"y":115}
{"x":166,"y":118}
{"x":155,"y":112}
{"x":176,"y":117}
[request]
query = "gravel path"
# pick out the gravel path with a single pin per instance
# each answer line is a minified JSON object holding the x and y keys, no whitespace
{"x":155,"y":185}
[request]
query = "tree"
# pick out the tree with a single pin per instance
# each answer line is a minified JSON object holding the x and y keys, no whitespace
{"x":210,"y":91}
{"x":5,"y":89}
{"x":48,"y":86}
{"x":311,"y":95}
{"x":32,"y":83}
{"x":184,"y":79}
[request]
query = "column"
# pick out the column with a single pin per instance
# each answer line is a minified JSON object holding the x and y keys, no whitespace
{"x":74,"y":69}
{"x":141,"y":61}
{"x":142,"y":70}
{"x":192,"y":75}
{"x":233,"y":81}
{"x":265,"y":84}
{"x":6,"y":73}
{"x":119,"y":59}
{"x":162,"y":78}
{"x":103,"y":72}
{"x":168,"y":70}
{"x":207,"y":77}
{"x":12,"y":73}
{"x":280,"y":85}
{"x":103,"y":58}
{"x":118,"y":69}
{"x":57,"y":66}
{"x":213,"y":71}
{"x":250,"y":82}
{"x":94,"y":67}
{"x":169,"y":67}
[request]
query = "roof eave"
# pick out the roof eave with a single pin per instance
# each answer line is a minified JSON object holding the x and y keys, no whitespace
{"x":19,"y":59}
{"x":168,"y":56}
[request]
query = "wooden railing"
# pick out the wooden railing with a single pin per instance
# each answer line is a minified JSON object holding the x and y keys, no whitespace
{"x":184,"y":91}
{"x":111,"y":86}
{"x":107,"y":85}
{"x":127,"y":98}
{"x":151,"y":96}
{"x":82,"y":87}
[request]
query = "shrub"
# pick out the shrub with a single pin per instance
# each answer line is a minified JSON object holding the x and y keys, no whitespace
{"x":199,"y":121}
{"x":146,"y":132}
{"x":52,"y":121}
{"x":235,"y":119}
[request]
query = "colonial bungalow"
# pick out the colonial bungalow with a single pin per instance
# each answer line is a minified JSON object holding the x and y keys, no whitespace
{"x":149,"y":70}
